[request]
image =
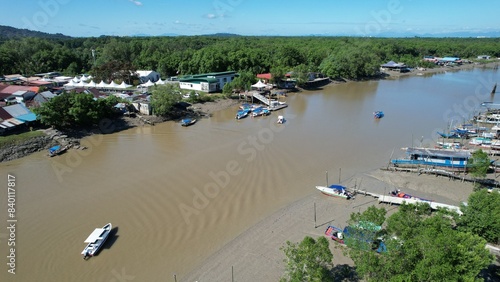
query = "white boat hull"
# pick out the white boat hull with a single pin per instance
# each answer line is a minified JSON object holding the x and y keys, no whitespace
{"x":96,"y":241}
{"x":332,"y":192}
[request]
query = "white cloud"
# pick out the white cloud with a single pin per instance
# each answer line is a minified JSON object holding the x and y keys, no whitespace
{"x":210,"y":16}
{"x":137,"y":3}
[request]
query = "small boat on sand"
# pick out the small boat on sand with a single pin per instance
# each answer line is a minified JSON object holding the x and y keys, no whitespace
{"x":336,"y":190}
{"x":399,"y":194}
{"x":188,"y":121}
{"x":57,"y":150}
{"x":95,"y":241}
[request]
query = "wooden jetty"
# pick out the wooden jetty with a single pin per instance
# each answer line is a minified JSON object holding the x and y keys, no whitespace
{"x":399,"y":201}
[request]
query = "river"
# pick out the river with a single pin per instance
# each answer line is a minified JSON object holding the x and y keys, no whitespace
{"x":175,"y":195}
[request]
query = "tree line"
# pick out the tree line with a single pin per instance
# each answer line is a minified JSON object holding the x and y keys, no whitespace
{"x":337,"y":57}
{"x":421,"y":245}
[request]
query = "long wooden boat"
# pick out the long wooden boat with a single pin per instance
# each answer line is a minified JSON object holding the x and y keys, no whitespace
{"x":442,"y":158}
{"x":95,"y":241}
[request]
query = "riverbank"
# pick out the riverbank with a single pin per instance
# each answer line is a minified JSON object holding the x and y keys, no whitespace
{"x":255,"y":254}
{"x":440,"y":69}
{"x":72,"y":138}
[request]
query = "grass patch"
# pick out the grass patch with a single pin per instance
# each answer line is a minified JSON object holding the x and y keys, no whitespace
{"x":18,"y":138}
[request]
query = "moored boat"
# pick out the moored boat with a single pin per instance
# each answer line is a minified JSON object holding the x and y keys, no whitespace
{"x":57,"y":150}
{"x":399,"y":194}
{"x":480,"y":141}
{"x":450,"y":159}
{"x":281,"y":120}
{"x":95,"y":240}
{"x":242,"y":114}
{"x":188,"y":121}
{"x":378,"y":114}
{"x":257,"y":112}
{"x":336,"y":190}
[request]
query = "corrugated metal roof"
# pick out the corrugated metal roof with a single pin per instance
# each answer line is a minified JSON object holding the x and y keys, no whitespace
{"x":4,"y":115}
{"x":27,"y":117}
{"x":17,"y":110}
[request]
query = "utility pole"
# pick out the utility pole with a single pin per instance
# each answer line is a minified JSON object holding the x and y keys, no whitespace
{"x":93,"y":55}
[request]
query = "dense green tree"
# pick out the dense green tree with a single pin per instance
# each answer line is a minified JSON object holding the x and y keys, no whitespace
{"x":55,"y":112}
{"x":479,"y":164}
{"x":423,"y":246}
{"x":310,"y":260}
{"x":164,"y":98}
{"x":481,"y":215}
{"x":241,"y":83}
{"x":69,"y":110}
{"x":338,"y":57}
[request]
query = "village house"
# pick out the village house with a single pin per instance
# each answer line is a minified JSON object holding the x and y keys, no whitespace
{"x":207,"y":82}
{"x":393,"y":66}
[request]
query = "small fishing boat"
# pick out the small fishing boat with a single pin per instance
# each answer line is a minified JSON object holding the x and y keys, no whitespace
{"x":95,"y":241}
{"x":257,"y":112}
{"x":281,"y":120}
{"x":242,"y":114}
{"x":188,"y":121}
{"x":57,"y":150}
{"x":336,"y":190}
{"x":450,"y":135}
{"x":378,"y":114}
{"x":399,"y":194}
{"x":480,"y":141}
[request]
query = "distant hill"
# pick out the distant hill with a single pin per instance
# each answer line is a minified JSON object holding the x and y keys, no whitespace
{"x":222,"y":35}
{"x":8,"y":32}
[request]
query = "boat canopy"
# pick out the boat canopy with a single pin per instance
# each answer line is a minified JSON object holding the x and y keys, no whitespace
{"x":94,"y":236}
{"x":438,"y":153}
{"x":337,"y":187}
{"x":55,"y":148}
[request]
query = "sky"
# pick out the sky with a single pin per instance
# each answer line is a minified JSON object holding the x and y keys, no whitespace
{"x":92,"y":18}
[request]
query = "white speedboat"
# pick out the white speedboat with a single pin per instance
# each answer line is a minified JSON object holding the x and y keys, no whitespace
{"x":95,"y":241}
{"x":336,"y":190}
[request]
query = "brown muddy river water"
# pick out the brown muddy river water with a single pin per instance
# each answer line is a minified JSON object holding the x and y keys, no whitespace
{"x":175,"y":195}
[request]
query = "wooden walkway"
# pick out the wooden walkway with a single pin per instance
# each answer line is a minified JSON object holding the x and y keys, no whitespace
{"x":399,"y":201}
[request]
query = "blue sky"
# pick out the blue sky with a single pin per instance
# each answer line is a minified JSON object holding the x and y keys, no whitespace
{"x":84,"y":18}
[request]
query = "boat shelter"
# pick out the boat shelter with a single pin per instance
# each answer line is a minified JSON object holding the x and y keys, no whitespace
{"x":393,"y":66}
{"x":95,"y":235}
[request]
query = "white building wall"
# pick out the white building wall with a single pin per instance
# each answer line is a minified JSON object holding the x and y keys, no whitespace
{"x":190,"y":86}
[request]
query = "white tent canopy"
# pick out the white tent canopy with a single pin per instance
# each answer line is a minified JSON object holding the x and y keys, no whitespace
{"x":91,"y":84}
{"x":160,"y":82}
{"x":147,"y":84}
{"x":259,"y":84}
{"x":123,"y":85}
{"x":81,"y":84}
{"x":113,"y":85}
{"x":102,"y":84}
{"x":70,"y":84}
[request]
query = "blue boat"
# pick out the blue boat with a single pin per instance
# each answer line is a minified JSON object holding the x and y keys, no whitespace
{"x":57,"y":150}
{"x":452,"y":134}
{"x":257,"y":112}
{"x":188,"y":121}
{"x":442,"y":158}
{"x":378,"y":114}
{"x":242,"y":114}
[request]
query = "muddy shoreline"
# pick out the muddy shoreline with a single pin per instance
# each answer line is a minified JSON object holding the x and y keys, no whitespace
{"x":72,"y":138}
